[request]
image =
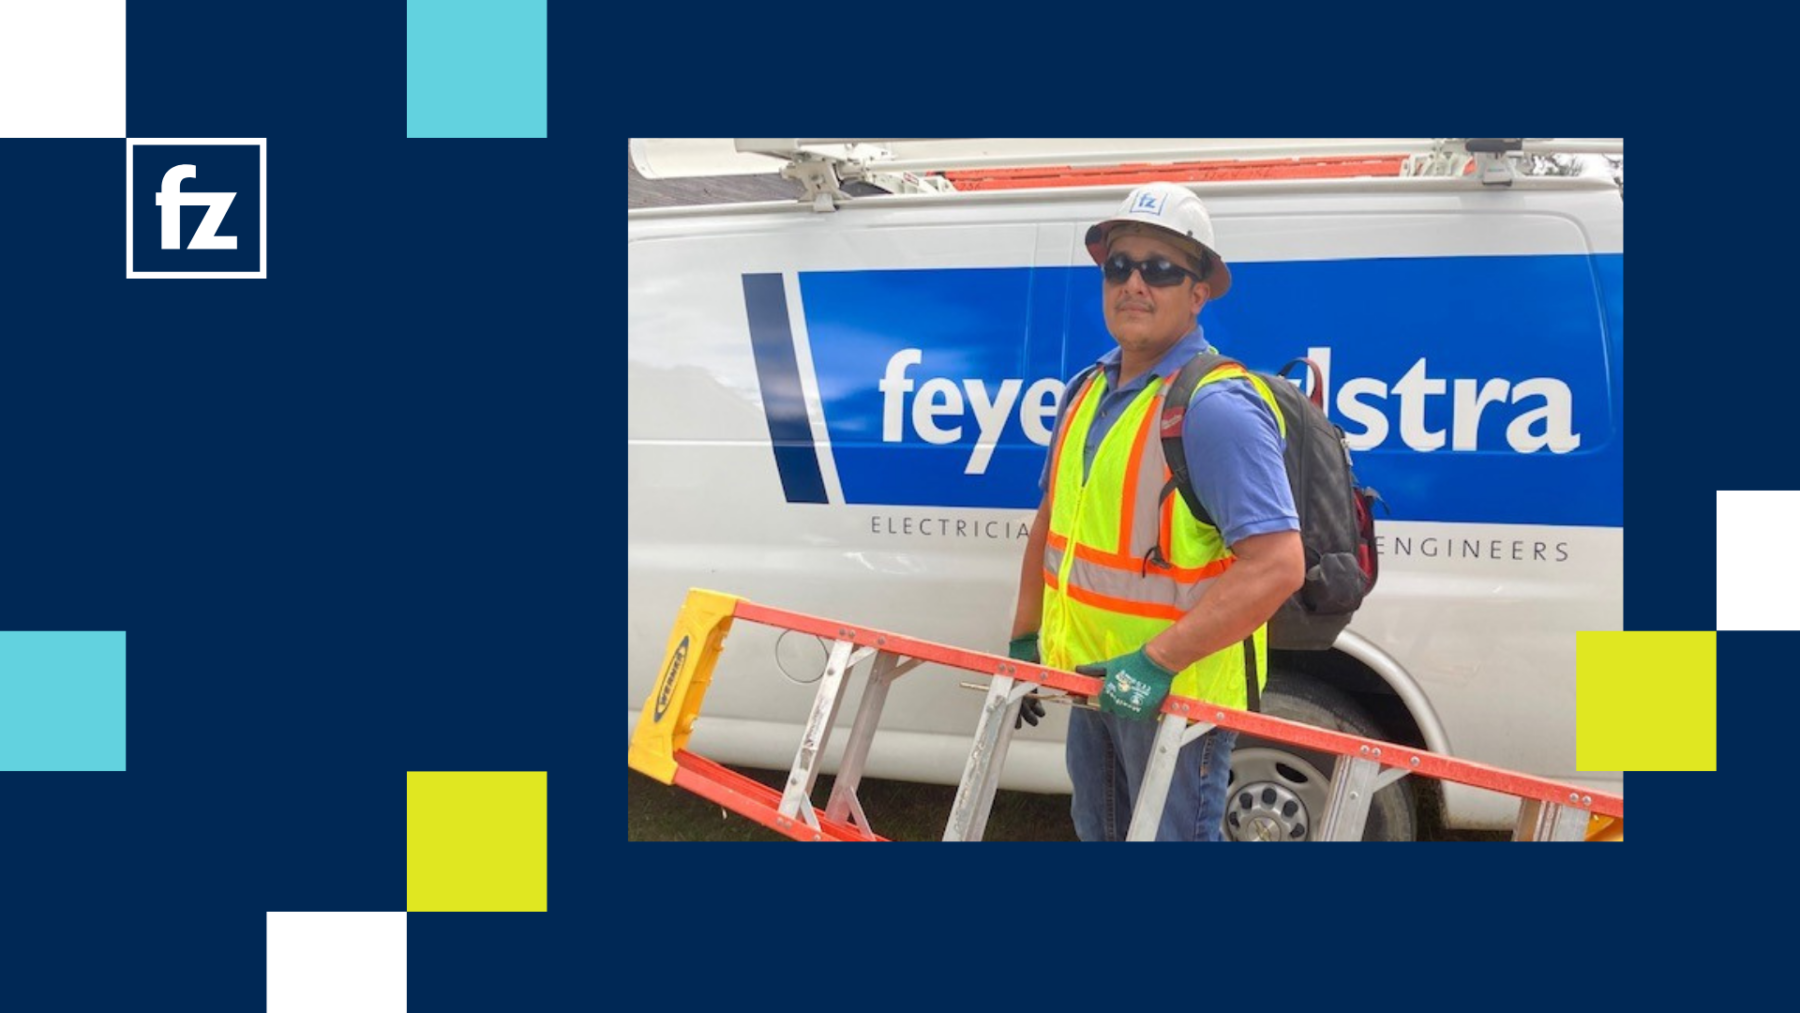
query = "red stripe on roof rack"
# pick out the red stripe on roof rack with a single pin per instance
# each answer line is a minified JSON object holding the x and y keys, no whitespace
{"x":1179,"y":172}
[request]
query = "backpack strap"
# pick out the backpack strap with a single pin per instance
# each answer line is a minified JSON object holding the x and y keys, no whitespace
{"x":1252,"y":695}
{"x":1174,"y":414}
{"x":1317,"y":397}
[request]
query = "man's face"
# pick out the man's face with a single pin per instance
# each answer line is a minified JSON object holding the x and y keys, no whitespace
{"x":1147,"y":321}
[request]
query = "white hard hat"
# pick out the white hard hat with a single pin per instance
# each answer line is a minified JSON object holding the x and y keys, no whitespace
{"x":1170,"y":208}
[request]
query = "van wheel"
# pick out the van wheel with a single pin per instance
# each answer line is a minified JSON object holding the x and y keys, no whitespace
{"x":1278,"y":792}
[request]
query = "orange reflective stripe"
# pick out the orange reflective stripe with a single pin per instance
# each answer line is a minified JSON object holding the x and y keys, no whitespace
{"x":1121,"y":605}
{"x":1056,"y":541}
{"x":1110,"y":560}
{"x":1188,"y":575}
{"x":1069,"y":423}
{"x":1129,"y":508}
{"x":1050,"y":578}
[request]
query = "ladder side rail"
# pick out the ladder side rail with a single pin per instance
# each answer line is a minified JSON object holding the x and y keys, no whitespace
{"x":750,"y":798}
{"x":1395,"y":755}
{"x":1414,"y":760}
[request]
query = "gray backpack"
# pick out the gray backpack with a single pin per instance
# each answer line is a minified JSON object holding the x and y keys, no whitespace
{"x":1337,"y":525}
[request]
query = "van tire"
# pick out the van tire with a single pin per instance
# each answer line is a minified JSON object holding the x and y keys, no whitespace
{"x":1279,"y":792}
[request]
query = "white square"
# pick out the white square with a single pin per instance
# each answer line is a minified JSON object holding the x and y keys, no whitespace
{"x":62,"y":68}
{"x":262,"y":148}
{"x":337,"y":962}
{"x":1758,"y":560}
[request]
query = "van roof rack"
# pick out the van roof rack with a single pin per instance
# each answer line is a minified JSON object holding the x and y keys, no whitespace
{"x":940,"y":165}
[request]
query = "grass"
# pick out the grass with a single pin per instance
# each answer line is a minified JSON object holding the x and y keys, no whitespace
{"x":899,"y":811}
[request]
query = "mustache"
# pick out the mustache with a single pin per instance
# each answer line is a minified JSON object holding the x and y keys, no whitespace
{"x":1134,"y":304}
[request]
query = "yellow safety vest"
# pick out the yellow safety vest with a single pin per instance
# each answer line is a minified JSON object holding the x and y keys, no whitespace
{"x":1106,"y":592}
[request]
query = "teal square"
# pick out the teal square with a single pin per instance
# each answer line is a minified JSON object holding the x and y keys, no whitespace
{"x":62,"y":701}
{"x":477,"y":68}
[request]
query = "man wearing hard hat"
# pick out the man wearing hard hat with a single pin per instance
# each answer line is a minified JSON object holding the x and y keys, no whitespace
{"x":1121,"y":580}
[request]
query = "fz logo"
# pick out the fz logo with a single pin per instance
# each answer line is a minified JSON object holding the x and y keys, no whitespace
{"x":196,"y":208}
{"x":173,"y":200}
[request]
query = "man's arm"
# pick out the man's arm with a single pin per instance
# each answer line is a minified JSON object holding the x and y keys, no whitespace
{"x":1268,"y":569}
{"x":1030,"y":612}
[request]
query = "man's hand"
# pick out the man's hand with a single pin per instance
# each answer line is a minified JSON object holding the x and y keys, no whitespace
{"x":1135,"y":685}
{"x":1025,"y":649}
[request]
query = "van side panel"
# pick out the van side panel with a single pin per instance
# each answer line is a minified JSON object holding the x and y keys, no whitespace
{"x":847,"y":414}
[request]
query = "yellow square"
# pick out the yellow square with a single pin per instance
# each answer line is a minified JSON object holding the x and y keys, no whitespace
{"x":477,"y":841}
{"x":1646,"y":701}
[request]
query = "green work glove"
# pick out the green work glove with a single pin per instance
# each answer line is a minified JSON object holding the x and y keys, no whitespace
{"x":1025,"y":649}
{"x":1135,"y":685}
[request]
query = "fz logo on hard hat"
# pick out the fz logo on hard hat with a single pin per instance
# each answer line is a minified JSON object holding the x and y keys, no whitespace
{"x":217,"y":227}
{"x":1151,"y":202}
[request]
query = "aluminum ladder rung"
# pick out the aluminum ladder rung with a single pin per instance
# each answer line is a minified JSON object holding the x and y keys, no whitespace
{"x":844,"y":805}
{"x":1548,"y":821}
{"x":796,"y":799}
{"x":981,"y":772}
{"x":1172,"y":735}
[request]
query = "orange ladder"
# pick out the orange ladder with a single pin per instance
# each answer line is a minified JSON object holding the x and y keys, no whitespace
{"x":1548,"y":811}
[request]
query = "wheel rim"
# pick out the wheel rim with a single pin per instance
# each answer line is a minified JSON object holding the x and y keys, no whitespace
{"x":1274,"y":796}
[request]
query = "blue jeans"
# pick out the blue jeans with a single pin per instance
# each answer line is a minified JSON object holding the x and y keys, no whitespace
{"x":1106,"y":757}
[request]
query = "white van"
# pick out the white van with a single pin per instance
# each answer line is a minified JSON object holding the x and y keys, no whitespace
{"x":845,"y":412}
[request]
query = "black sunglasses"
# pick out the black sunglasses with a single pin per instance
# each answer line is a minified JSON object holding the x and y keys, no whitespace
{"x":1158,"y":272}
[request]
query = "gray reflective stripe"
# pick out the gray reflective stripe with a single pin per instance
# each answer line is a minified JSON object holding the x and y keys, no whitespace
{"x":1146,"y":519}
{"x":1153,"y":587}
{"x":1053,"y":558}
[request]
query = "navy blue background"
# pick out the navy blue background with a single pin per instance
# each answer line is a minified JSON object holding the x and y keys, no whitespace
{"x":347,"y":515}
{"x":374,"y":534}
{"x":219,"y":168}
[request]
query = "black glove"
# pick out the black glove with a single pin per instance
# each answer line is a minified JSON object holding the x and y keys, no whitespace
{"x":1025,"y":649}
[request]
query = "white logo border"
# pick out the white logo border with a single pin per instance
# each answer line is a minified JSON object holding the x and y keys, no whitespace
{"x":262,"y":147}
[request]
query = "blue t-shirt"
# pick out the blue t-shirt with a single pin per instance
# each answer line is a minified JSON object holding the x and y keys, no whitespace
{"x":1233,"y":445}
